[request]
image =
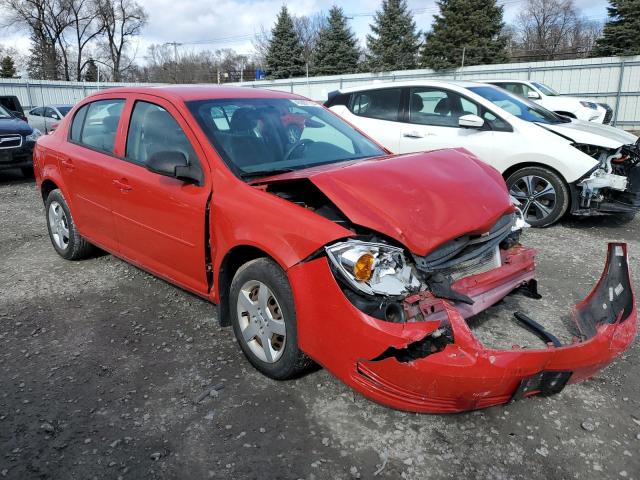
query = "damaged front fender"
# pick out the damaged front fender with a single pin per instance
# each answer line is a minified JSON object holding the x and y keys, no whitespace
{"x":438,"y":365}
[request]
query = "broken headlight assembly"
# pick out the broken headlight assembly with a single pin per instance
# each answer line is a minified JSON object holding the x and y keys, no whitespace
{"x":373,"y":268}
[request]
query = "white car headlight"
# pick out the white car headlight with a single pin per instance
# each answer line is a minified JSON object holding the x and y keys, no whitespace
{"x":33,"y":136}
{"x":373,"y":268}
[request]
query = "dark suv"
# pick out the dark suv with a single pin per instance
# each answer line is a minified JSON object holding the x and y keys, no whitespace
{"x":17,"y":139}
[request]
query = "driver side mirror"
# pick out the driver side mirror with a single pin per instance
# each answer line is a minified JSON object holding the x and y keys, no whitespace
{"x":55,"y":116}
{"x":174,"y":164}
{"x":470,"y":121}
{"x":533,"y":95}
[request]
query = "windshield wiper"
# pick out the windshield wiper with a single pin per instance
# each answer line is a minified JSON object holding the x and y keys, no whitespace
{"x":264,"y":173}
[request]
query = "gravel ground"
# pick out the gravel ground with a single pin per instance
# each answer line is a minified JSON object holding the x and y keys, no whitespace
{"x":107,"y":372}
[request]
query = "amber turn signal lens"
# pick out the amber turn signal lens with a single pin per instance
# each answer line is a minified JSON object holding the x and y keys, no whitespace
{"x":363,"y":267}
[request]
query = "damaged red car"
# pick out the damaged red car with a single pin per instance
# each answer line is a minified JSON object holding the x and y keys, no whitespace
{"x":320,"y":246}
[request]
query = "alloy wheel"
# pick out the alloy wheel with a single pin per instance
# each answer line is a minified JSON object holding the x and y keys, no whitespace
{"x":537,"y":196}
{"x":261,"y":321}
{"x":58,"y":225}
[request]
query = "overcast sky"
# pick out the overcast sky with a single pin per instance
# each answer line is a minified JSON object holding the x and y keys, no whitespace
{"x":217,"y":24}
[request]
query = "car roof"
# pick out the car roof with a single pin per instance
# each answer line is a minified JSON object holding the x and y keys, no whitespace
{"x":188,"y":93}
{"x":504,"y":80}
{"x":412,"y":83}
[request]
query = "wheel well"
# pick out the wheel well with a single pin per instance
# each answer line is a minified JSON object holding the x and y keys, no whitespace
{"x":233,"y":260}
{"x":507,"y":173}
{"x":46,"y":188}
{"x":565,"y":114}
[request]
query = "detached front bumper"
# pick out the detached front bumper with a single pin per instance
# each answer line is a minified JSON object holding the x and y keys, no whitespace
{"x":397,"y":364}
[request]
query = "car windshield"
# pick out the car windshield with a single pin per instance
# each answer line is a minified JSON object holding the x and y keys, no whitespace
{"x":63,"y":110}
{"x":4,"y":113}
{"x":260,"y":136}
{"x":518,"y":107}
{"x":550,"y":92}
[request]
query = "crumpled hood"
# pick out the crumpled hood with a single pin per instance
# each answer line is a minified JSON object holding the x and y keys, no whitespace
{"x":591,"y":133}
{"x":422,"y":200}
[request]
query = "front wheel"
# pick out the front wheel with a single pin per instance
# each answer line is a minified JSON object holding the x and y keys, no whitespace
{"x":63,"y":233}
{"x":264,"y":319}
{"x":543,"y":195}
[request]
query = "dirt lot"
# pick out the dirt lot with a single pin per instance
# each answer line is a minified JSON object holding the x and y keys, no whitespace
{"x":103,"y":371}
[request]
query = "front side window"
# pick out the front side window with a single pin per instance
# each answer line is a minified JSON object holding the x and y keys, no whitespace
{"x":96,"y":124}
{"x":437,"y":107}
{"x":383,"y":104}
{"x":262,"y":136}
{"x":518,"y":107}
{"x":152,"y":129}
{"x":50,"y":113}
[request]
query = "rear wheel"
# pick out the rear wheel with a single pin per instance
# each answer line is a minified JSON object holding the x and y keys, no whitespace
{"x":264,"y":319}
{"x":543,"y":195}
{"x":63,"y":233}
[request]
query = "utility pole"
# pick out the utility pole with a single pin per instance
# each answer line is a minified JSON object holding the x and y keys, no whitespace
{"x":175,"y":57}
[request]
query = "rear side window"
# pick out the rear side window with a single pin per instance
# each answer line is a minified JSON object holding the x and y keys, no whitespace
{"x":96,"y":124}
{"x":152,"y":129}
{"x":36,"y":112}
{"x":383,"y":104}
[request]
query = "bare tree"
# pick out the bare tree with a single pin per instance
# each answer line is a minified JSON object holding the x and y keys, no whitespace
{"x":86,"y":29}
{"x":548,"y":29}
{"x":121,"y":20}
{"x":47,"y":20}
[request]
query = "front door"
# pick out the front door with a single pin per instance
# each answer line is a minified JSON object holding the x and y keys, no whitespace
{"x":160,"y":221}
{"x":432,"y":123}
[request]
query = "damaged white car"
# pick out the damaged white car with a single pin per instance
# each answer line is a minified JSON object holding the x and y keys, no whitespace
{"x":552,"y":164}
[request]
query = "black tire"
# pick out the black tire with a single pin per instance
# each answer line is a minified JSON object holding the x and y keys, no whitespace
{"x":76,"y":247}
{"x":291,"y":361}
{"x":27,"y":172}
{"x":541,"y":206}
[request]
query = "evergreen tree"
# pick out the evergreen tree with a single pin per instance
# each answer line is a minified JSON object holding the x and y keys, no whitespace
{"x":621,"y":33}
{"x":394,"y":42}
{"x":474,"y":26}
{"x":91,"y":72}
{"x":8,"y":68}
{"x":284,"y":56}
{"x":337,"y":48}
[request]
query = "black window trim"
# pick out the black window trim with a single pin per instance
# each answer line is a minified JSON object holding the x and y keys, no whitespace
{"x":399,"y":113}
{"x":482,"y":110}
{"x":89,"y":147}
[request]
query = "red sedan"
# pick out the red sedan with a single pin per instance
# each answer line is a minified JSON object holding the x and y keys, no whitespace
{"x":319,"y":246}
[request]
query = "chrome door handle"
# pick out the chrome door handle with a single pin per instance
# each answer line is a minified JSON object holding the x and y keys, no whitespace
{"x":412,"y":135}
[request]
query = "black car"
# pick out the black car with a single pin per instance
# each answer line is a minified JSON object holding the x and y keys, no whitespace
{"x":11,"y":103}
{"x":17,"y":139}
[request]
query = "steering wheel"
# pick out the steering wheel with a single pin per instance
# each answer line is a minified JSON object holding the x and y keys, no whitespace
{"x":300,"y":143}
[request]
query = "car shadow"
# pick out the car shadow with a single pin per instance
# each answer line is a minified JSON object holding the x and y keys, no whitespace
{"x":14,"y":177}
{"x":607,"y":222}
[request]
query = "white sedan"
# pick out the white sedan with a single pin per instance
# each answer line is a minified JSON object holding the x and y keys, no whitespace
{"x":567,"y":105}
{"x":552,"y":164}
{"x":43,"y":118}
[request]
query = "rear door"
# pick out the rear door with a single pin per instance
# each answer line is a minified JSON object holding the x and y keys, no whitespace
{"x":160,"y":221}
{"x":377,"y":113}
{"x":431,"y":122}
{"x":89,"y":154}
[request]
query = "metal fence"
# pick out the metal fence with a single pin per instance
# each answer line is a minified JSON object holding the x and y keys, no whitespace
{"x":611,"y":80}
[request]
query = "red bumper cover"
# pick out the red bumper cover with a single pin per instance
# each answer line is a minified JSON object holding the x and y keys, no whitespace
{"x":464,"y":375}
